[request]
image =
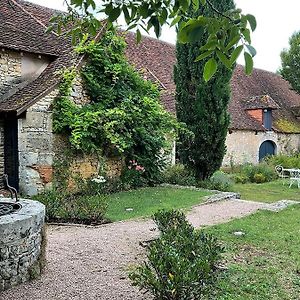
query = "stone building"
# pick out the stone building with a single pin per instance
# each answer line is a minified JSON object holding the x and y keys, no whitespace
{"x":264,"y":110}
{"x":30,"y":62}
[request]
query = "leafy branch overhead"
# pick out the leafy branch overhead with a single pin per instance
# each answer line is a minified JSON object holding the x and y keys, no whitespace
{"x":229,"y":33}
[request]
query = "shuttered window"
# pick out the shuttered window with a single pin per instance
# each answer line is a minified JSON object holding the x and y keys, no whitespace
{"x":267,"y":119}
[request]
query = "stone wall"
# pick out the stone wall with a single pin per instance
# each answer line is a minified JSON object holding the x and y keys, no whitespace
{"x":10,"y":71}
{"x":36,"y":147}
{"x":243,"y":146}
{"x":22,"y":244}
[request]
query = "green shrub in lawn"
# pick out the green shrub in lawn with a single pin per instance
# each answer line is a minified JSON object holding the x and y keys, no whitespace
{"x":259,"y":178}
{"x":287,"y":161}
{"x":219,"y":181}
{"x":181,"y":263}
{"x":68,"y":207}
{"x":178,"y":174}
{"x":250,"y":171}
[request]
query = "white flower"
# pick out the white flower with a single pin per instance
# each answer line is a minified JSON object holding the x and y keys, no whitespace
{"x":99,"y":179}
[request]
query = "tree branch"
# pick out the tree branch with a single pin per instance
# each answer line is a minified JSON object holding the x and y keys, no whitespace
{"x":217,"y":11}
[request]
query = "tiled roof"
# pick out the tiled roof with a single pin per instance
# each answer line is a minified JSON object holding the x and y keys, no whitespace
{"x":260,"y":102}
{"x":262,"y":89}
{"x":261,"y":82}
{"x":155,"y":60}
{"x":22,"y":27}
{"x":22,"y":30}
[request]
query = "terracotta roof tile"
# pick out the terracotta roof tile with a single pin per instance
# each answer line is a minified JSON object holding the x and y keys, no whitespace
{"x":22,"y":27}
{"x":262,"y":89}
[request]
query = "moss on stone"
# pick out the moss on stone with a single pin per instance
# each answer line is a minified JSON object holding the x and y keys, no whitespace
{"x":287,"y":126}
{"x":38,"y":267}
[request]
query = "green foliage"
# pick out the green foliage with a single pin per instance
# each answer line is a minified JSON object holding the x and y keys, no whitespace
{"x":133,"y":175}
{"x":78,"y":208}
{"x":225,"y":29}
{"x":286,"y":161}
{"x":178,"y":174}
{"x":203,"y":107}
{"x":262,"y":172}
{"x":181,"y":263}
{"x":290,"y":59}
{"x":219,"y":181}
{"x":259,"y":178}
{"x":125,"y":117}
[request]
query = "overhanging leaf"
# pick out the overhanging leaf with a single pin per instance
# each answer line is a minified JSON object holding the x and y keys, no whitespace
{"x":235,"y":54}
{"x":252,"y":21}
{"x":251,"y":49}
{"x":248,"y":63}
{"x":210,"y":69}
{"x":204,"y":55}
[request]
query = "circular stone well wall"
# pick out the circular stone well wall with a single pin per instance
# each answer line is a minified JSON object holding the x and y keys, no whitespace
{"x":22,"y":244}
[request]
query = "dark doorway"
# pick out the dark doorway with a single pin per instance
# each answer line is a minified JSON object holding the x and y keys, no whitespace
{"x":11,"y":156}
{"x":266,"y":148}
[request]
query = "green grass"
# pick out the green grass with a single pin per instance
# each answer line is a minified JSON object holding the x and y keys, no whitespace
{"x":145,"y":202}
{"x":265,"y":262}
{"x":267,"y":192}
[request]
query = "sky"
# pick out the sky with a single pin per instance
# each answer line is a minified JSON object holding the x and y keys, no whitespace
{"x":276,"y":22}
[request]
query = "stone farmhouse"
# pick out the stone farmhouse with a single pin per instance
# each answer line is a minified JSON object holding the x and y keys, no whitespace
{"x":264,"y":110}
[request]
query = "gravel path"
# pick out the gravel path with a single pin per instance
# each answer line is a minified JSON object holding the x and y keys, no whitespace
{"x":87,"y":263}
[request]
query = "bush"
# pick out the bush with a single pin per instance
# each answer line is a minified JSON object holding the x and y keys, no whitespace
{"x":178,"y":174}
{"x":286,"y":161}
{"x":259,"y":178}
{"x":181,"y":262}
{"x":241,"y":179}
{"x":68,"y":207}
{"x":263,"y":168}
{"x":219,"y":181}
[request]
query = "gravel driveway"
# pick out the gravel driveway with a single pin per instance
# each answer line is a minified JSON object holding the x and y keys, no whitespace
{"x":90,"y":263}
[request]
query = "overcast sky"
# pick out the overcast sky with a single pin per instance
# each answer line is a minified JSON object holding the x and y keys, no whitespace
{"x":276,"y":22}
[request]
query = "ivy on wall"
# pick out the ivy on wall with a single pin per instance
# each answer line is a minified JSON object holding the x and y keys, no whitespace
{"x":124,"y":117}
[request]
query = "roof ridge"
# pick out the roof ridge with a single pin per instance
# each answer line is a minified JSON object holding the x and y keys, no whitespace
{"x":33,"y":17}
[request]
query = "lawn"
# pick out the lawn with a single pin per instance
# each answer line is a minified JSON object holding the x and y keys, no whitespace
{"x":265,"y":262}
{"x":267,"y":192}
{"x":145,"y":202}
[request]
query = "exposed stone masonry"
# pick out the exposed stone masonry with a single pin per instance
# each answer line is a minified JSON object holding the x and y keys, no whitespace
{"x":10,"y":71}
{"x":22,"y":244}
{"x":36,"y":147}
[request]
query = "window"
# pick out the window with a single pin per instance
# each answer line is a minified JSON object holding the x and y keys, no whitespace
{"x":267,"y":119}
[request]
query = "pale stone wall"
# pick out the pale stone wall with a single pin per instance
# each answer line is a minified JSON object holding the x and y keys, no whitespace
{"x":36,"y":146}
{"x":243,"y":146}
{"x":22,"y":244}
{"x":10,"y":71}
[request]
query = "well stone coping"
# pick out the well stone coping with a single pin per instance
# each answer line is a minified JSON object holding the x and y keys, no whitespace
{"x":21,"y":243}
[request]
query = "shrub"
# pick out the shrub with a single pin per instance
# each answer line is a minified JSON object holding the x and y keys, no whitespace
{"x":286,"y":161}
{"x":259,"y":178}
{"x":133,"y":175}
{"x":239,"y":178}
{"x":219,"y":181}
{"x":67,"y":207}
{"x":263,"y":168}
{"x":178,"y":174}
{"x":181,"y":262}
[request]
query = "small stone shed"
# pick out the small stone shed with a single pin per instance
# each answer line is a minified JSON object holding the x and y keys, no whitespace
{"x":30,"y":62}
{"x":264,"y":110}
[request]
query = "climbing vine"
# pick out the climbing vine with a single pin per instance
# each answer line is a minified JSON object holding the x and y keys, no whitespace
{"x":124,"y":116}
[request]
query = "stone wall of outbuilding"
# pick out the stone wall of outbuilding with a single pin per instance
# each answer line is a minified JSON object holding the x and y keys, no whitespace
{"x":36,"y":147}
{"x":243,"y":145}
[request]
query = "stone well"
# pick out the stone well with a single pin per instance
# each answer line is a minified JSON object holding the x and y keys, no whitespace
{"x":22,"y":243}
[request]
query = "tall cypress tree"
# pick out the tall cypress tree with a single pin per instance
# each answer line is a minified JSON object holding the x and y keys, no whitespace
{"x":202,"y":106}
